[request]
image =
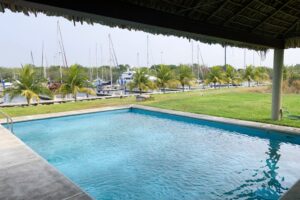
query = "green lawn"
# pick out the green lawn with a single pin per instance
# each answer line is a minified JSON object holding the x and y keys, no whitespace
{"x":246,"y":104}
{"x":230,"y":103}
{"x":80,"y":105}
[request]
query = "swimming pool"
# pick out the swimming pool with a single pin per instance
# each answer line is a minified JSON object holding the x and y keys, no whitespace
{"x":140,"y":154}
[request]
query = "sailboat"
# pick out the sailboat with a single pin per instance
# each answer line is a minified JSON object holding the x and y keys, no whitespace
{"x":113,"y":61}
{"x":44,"y":97}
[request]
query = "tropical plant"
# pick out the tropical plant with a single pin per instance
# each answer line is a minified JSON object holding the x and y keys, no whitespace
{"x":260,"y":75}
{"x":293,"y":75}
{"x":296,"y":86}
{"x":28,"y":86}
{"x":75,"y":82}
{"x":164,"y":77}
{"x":141,"y":81}
{"x":215,"y":75}
{"x":249,"y":74}
{"x":185,"y":75}
{"x":230,"y":75}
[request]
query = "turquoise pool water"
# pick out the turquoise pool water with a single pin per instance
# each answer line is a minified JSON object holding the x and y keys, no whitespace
{"x":138,"y":154}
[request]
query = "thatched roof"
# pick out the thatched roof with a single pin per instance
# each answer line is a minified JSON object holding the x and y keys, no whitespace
{"x":254,"y":24}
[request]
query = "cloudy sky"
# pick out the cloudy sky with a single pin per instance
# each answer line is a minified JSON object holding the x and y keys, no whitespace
{"x":21,"y":35}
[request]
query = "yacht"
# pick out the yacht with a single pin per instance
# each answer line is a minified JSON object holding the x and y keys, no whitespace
{"x":100,"y":84}
{"x":126,"y":77}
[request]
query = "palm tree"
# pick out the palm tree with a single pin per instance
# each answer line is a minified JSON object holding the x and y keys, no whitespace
{"x":232,"y":76}
{"x":164,"y":76}
{"x":185,"y":75}
{"x":249,"y":74}
{"x":28,"y":86}
{"x":141,"y":81}
{"x":75,"y":82}
{"x":215,"y":75}
{"x":260,"y":75}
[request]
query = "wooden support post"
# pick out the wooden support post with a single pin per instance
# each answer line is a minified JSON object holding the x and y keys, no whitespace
{"x":277,"y":83}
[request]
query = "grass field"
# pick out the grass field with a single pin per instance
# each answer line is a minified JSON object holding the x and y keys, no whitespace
{"x":244,"y":103}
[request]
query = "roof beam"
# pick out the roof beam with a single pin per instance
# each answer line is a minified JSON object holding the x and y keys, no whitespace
{"x":291,"y":27}
{"x":198,"y":6}
{"x":273,"y":14}
{"x":238,"y":13}
{"x":216,"y":11}
{"x":127,"y":13}
{"x":276,"y":26}
{"x":194,"y":8}
{"x":249,"y":8}
{"x":292,"y":16}
{"x":184,"y":8}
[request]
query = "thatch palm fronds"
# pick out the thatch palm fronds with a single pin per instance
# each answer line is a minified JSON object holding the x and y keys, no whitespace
{"x":28,"y":86}
{"x":75,"y":82}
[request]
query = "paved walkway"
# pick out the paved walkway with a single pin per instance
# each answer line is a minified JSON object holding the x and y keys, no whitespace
{"x":24,"y":175}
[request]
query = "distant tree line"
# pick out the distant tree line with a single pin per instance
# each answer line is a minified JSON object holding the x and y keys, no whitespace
{"x":31,"y":81}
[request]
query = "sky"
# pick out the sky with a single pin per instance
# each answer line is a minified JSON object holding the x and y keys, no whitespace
{"x":88,"y":45}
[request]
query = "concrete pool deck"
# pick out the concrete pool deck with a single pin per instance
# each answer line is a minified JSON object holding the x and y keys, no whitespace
{"x":26,"y":175}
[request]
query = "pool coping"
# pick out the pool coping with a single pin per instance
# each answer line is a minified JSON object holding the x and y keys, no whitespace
{"x":66,"y":113}
{"x":26,"y":175}
{"x":250,"y":124}
{"x":16,"y":147}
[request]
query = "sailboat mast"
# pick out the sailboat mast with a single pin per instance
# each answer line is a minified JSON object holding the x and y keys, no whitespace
{"x":46,"y":65}
{"x":198,"y":62}
{"x":192,"y":53}
{"x":32,"y":60}
{"x":97,"y":61}
{"x":192,"y":45}
{"x":43,"y":67}
{"x":137,"y":59}
{"x":202,"y":74}
{"x":253,"y":58}
{"x":148,"y":51}
{"x":110,"y":59}
{"x":101,"y":61}
{"x":225,"y":56}
{"x":42,"y":55}
{"x":90,"y":65}
{"x":62,"y":45}
{"x":60,"y":69}
{"x":113,"y":52}
{"x":245,"y":58}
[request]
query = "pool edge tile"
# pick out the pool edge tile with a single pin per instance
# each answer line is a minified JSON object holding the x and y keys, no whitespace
{"x":67,"y":113}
